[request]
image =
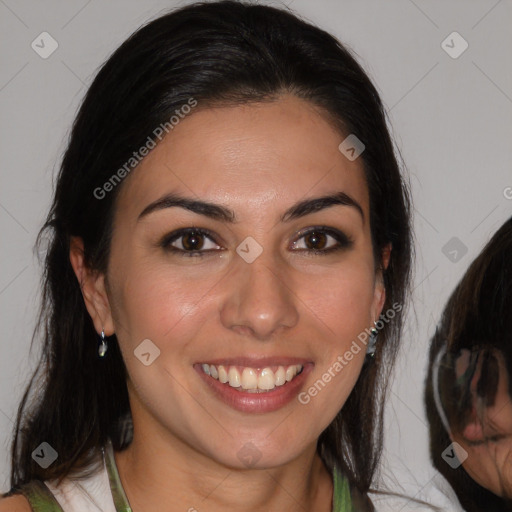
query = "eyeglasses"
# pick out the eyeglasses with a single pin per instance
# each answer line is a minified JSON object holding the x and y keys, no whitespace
{"x":472,"y":393}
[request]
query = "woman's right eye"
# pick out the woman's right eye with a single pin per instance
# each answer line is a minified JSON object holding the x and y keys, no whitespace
{"x":190,"y":242}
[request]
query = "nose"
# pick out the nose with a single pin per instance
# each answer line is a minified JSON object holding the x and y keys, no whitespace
{"x":260,"y":299}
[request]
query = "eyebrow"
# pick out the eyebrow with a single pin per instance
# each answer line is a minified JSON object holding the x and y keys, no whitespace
{"x":223,"y":214}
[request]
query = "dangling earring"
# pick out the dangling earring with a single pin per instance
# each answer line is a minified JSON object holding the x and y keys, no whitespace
{"x":372,"y":343}
{"x":102,"y":349}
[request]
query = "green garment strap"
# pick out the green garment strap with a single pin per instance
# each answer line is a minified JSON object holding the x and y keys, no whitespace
{"x":118,"y":495}
{"x":41,"y":499}
{"x":341,"y":499}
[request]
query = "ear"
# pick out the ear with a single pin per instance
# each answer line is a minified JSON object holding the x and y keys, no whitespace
{"x":380,"y":290}
{"x":92,"y":284}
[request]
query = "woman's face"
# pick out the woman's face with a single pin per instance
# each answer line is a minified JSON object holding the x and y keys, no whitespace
{"x":256,"y":299}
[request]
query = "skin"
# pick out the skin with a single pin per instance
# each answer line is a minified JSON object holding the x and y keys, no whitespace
{"x":488,"y":439}
{"x":257,"y":160}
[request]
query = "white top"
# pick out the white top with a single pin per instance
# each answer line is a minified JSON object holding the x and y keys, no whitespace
{"x":429,"y":489}
{"x":90,"y":494}
{"x":436,"y":496}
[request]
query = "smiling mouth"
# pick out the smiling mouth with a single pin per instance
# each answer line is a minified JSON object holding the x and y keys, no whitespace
{"x":252,"y":380}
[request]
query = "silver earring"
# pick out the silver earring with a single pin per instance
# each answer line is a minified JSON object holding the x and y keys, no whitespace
{"x":372,"y":343}
{"x":102,"y":349}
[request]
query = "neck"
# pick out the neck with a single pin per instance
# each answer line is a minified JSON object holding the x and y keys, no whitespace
{"x":163,"y":473}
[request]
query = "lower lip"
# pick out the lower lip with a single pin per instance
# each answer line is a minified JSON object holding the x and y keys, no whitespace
{"x":257,"y":402}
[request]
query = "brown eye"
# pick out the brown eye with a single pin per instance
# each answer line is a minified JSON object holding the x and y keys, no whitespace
{"x":315,"y":240}
{"x":322,"y":240}
{"x":192,"y":241}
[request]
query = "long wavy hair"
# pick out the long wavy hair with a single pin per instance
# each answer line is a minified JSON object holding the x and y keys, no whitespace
{"x":219,"y":53}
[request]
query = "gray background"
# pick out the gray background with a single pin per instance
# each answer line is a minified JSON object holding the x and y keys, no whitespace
{"x":451,"y":119}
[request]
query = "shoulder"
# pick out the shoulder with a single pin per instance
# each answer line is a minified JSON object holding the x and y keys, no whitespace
{"x":15,"y":503}
{"x":30,"y":496}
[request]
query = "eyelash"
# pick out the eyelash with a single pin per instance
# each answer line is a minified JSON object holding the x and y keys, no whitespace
{"x":343,"y":241}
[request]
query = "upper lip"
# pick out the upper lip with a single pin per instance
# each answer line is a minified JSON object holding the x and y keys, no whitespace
{"x":256,"y":362}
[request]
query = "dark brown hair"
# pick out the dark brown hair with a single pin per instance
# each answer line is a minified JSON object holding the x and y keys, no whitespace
{"x":217,"y":53}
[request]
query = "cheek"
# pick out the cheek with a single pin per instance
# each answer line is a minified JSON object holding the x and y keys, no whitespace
{"x":169,"y":309}
{"x":156,"y":303}
{"x":481,"y":466}
{"x":341,"y":300}
{"x":340,"y":310}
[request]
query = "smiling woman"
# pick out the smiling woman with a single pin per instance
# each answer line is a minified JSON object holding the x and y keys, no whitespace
{"x":186,"y":310}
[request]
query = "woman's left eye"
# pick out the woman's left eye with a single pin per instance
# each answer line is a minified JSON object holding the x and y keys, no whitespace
{"x":322,"y":240}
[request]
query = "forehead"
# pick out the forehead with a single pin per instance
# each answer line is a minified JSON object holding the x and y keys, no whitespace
{"x":260,"y":155}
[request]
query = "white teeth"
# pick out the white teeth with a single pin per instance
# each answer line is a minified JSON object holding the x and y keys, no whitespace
{"x":266,"y":380}
{"x":251,"y":379}
{"x":234,"y":377}
{"x":280,"y":376}
{"x":223,"y":374}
